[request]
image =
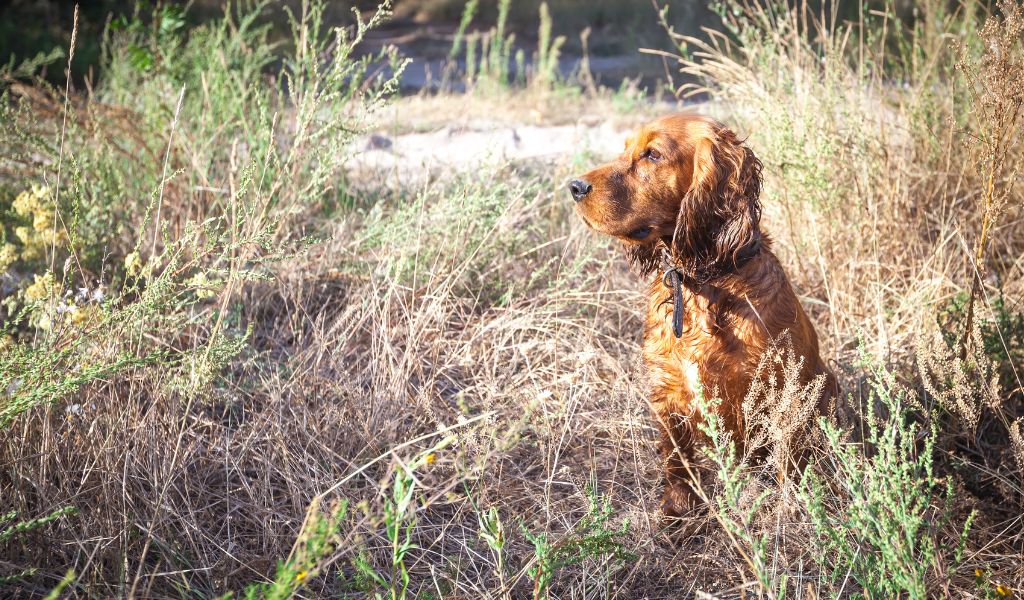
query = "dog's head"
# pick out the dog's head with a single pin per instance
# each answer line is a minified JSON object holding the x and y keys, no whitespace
{"x":683,"y":180}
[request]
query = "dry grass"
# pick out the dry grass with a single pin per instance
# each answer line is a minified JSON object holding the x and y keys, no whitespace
{"x":470,"y":338}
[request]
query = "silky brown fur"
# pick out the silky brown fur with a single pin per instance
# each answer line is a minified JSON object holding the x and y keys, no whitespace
{"x":688,"y":184}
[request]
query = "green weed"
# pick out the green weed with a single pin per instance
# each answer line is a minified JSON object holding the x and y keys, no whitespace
{"x":878,"y":508}
{"x":591,"y":538}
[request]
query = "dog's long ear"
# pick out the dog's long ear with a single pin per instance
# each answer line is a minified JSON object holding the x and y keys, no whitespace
{"x":720,"y":213}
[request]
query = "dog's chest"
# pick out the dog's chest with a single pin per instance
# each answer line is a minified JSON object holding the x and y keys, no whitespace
{"x":709,"y":357}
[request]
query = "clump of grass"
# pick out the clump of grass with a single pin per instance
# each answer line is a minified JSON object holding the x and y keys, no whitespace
{"x":546,"y":73}
{"x":879,"y":508}
{"x":778,"y":410}
{"x":589,"y":539}
{"x":995,"y":84}
{"x":964,"y":386}
{"x":733,"y":508}
{"x":489,"y":56}
{"x":460,"y":229}
{"x":490,"y":71}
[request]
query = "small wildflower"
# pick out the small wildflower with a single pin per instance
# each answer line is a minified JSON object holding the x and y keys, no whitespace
{"x":1004,"y":591}
{"x":8,"y":254}
{"x":301,"y":575}
{"x":979,"y":573}
{"x":431,"y":458}
{"x":133,"y":264}
{"x":80,"y":315}
{"x":41,"y":287}
{"x":34,"y":206}
{"x":24,"y":234}
{"x":42,"y":221}
{"x":30,"y":202}
{"x":206,"y":287}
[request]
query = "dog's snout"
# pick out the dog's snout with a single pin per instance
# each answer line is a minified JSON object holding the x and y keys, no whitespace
{"x":579,"y":188}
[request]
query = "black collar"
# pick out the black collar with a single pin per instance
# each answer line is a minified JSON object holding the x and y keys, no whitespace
{"x":675,"y":277}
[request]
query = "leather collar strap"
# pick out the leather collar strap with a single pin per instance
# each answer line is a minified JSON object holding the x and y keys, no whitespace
{"x":675,"y":277}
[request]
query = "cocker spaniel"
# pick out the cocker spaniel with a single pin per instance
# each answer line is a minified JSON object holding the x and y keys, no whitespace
{"x":684,"y":199}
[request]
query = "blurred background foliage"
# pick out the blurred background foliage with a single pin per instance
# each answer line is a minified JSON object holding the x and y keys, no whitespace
{"x":29,"y":28}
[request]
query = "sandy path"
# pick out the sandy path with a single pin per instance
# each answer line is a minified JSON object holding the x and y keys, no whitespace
{"x":409,"y":158}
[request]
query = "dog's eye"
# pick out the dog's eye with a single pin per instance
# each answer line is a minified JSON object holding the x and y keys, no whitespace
{"x":640,"y":234}
{"x":652,"y":154}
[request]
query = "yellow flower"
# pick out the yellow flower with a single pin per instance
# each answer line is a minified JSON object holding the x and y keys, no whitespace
{"x":1004,"y":591}
{"x":206,"y":287}
{"x":978,"y":573}
{"x":431,"y":458}
{"x":32,"y":245}
{"x":42,"y":222}
{"x":301,"y":575}
{"x":34,"y":205}
{"x":80,"y":315}
{"x":31,"y":202}
{"x":8,"y":254}
{"x":133,"y":264}
{"x":25,"y":204}
{"x":41,"y":287}
{"x":24,"y":234}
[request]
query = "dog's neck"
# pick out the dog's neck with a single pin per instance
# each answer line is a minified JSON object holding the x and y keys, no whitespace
{"x":695,"y":278}
{"x":675,"y":277}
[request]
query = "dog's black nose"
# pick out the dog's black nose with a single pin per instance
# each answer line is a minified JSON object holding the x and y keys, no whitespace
{"x":579,"y":188}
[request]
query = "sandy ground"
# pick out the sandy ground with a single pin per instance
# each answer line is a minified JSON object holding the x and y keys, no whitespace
{"x":409,"y":157}
{"x":460,"y":137}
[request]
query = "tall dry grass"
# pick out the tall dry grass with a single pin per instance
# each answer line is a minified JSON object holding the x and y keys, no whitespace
{"x":448,"y":373}
{"x":891,"y":150}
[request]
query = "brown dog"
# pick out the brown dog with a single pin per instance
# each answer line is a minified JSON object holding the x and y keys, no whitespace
{"x":684,"y":200}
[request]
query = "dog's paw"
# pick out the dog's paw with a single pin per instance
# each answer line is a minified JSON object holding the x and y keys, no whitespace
{"x":679,"y":500}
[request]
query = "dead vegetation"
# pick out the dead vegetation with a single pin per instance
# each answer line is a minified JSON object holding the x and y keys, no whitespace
{"x":447,"y":372}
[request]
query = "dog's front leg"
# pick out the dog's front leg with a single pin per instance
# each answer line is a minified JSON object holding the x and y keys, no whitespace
{"x":677,"y":442}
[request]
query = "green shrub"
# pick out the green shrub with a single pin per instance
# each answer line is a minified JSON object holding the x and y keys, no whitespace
{"x":126,"y":252}
{"x":731,"y":510}
{"x":878,"y":508}
{"x":489,"y":56}
{"x":591,"y":538}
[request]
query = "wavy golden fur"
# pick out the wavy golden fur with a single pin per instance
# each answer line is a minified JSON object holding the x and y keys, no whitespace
{"x":687,"y":186}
